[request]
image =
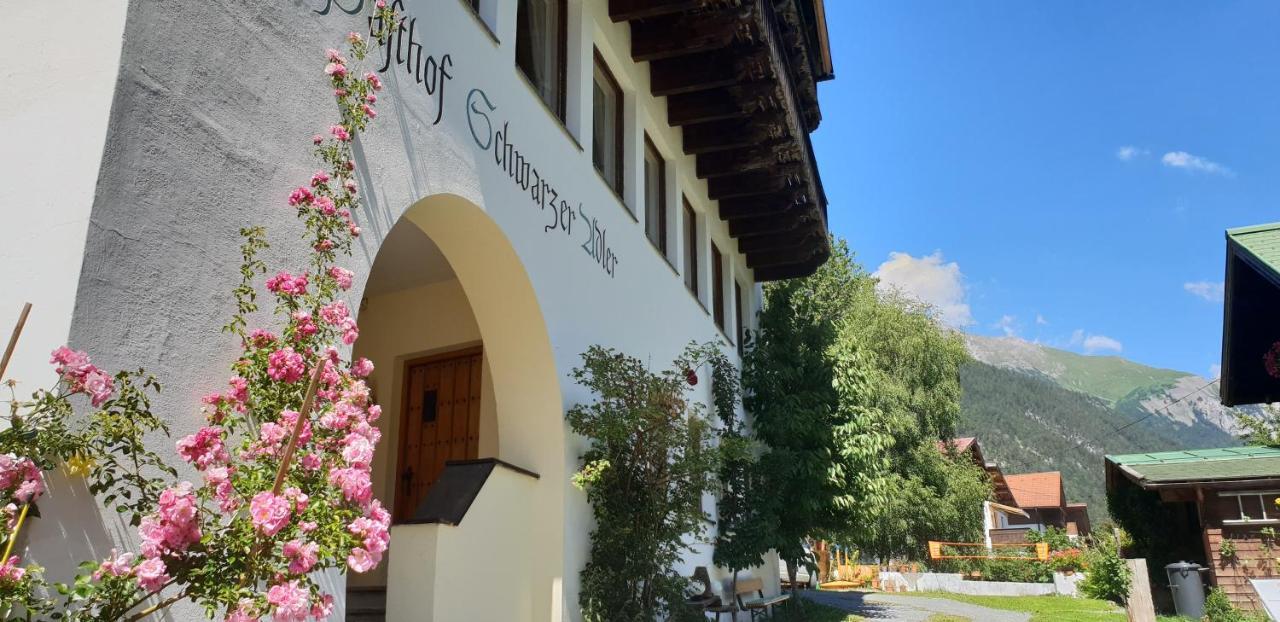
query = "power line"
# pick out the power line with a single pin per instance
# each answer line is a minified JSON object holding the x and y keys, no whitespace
{"x":1170,"y":404}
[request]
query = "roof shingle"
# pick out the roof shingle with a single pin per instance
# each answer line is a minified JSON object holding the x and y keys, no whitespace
{"x":1036,"y":490}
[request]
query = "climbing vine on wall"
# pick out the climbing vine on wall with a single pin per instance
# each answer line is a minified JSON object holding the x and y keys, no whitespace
{"x":650,"y":461}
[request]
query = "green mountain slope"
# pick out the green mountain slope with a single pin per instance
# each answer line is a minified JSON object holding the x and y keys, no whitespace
{"x":1109,"y":377}
{"x":1029,"y":421}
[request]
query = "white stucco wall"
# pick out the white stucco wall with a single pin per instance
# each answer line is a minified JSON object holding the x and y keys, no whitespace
{"x":210,"y":129}
{"x":59,"y":75}
{"x":59,"y":78}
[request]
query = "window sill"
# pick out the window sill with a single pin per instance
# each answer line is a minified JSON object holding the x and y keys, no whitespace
{"x":664,"y":258}
{"x":471,"y":10}
{"x":696,"y":299}
{"x":537,"y":96}
{"x":621,"y":203}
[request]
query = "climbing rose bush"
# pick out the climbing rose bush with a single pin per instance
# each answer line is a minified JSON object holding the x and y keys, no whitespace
{"x":283,"y":460}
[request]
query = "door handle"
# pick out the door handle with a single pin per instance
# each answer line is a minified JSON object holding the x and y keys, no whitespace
{"x":406,"y":480}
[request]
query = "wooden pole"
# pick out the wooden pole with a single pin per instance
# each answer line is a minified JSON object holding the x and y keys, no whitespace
{"x":1139,"y":606}
{"x":13,"y":537}
{"x":13,"y":339}
{"x":289,"y":449}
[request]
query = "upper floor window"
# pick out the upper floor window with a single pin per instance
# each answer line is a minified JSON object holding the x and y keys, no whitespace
{"x":691,"y":249}
{"x":717,"y":285}
{"x":540,"y":48}
{"x":655,"y":197}
{"x":606,"y":122}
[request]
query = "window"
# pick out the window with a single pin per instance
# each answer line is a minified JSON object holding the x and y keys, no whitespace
{"x":717,"y":285}
{"x":540,"y":48}
{"x":1252,"y":505}
{"x":738,"y":303}
{"x":655,"y":197}
{"x":691,"y":249}
{"x":606,"y":120}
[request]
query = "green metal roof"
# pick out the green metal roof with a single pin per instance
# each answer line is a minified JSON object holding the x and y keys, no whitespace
{"x":1227,"y":463}
{"x":1260,"y":241}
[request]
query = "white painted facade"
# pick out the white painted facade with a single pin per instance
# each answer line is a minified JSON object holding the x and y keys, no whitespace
{"x":149,"y":132}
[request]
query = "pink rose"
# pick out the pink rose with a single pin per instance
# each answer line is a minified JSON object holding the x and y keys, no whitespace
{"x":151,"y":574}
{"x":301,"y":196}
{"x":204,"y":448}
{"x":343,"y":277}
{"x":362,"y":367}
{"x":269,"y":513}
{"x":289,"y":602}
{"x":302,"y":556}
{"x":285,"y":365}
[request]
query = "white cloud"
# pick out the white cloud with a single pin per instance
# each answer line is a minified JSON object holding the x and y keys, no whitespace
{"x":1008,"y":324}
{"x":1101,"y":343}
{"x":1208,"y":290}
{"x":1093,"y":344}
{"x":930,"y":280}
{"x":1040,"y":321}
{"x":1129,"y":152}
{"x":1186,"y":161}
{"x":1215,"y":371}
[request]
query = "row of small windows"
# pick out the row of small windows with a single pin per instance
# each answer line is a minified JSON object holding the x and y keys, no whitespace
{"x":541,"y":53}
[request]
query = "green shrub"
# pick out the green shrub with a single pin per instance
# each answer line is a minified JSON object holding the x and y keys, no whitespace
{"x":1056,"y":538}
{"x":1218,"y":608}
{"x":1109,"y":578}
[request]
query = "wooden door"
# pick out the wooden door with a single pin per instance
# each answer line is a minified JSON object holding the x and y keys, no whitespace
{"x":439,"y":421}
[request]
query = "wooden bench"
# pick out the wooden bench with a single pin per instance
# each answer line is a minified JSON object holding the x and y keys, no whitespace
{"x":756,"y":605}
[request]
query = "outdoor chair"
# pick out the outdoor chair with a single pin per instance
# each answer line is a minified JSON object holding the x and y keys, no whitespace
{"x":758,"y":605}
{"x":707,"y":597}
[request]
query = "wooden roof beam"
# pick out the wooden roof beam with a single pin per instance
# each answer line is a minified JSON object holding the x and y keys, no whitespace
{"x":657,"y":39}
{"x":694,"y":108}
{"x":705,"y":71}
{"x":732,"y":134}
{"x":779,"y":257}
{"x":752,"y":158}
{"x":627,"y":10}
{"x":804,"y":268}
{"x":768,"y":225}
{"x":790,"y":239}
{"x":751,"y":183}
{"x":761,"y":204}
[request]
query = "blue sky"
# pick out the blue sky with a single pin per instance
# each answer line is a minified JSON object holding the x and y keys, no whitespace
{"x":1058,"y":171}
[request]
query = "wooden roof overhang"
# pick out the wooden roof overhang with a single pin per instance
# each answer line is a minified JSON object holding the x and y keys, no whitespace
{"x":740,"y":78}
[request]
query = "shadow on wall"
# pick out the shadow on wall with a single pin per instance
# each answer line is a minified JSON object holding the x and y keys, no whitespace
{"x":70,"y":529}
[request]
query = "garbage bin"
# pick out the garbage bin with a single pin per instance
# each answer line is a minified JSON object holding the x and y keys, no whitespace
{"x":1187,"y":588}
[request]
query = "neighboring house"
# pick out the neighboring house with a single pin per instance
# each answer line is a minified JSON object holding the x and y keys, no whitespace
{"x":1199,"y":499}
{"x":1251,"y":317}
{"x":1044,"y":500}
{"x":1021,"y":503}
{"x":544,"y":176}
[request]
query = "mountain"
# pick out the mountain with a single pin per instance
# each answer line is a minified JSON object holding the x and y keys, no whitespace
{"x":1036,"y":408}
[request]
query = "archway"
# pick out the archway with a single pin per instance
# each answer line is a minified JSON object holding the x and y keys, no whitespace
{"x":448,"y":289}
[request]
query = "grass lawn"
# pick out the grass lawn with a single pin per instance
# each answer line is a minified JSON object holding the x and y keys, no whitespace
{"x":1041,"y":608}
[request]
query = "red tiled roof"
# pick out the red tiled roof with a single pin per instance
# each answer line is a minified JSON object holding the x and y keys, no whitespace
{"x":959,"y":444}
{"x":1036,"y":490}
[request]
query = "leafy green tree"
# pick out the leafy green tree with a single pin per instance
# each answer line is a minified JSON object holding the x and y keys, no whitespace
{"x":850,"y":388}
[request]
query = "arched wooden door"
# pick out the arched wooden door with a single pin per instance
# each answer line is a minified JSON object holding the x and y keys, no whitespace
{"x":439,"y":421}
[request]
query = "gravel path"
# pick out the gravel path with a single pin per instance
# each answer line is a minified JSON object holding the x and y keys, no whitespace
{"x":874,"y":606}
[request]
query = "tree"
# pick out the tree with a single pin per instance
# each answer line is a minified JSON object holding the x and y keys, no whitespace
{"x":849,"y":389}
{"x":810,"y":401}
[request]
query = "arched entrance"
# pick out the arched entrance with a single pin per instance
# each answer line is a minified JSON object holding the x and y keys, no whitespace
{"x":464,"y":370}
